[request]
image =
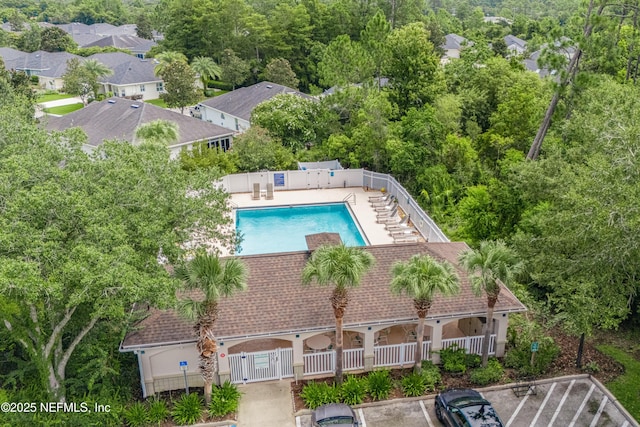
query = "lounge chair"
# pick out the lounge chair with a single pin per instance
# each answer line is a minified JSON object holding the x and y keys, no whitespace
{"x":269,"y":195}
{"x":379,"y":198}
{"x":387,"y":220}
{"x":383,"y":202}
{"x":387,"y":207}
{"x":407,"y":239}
{"x":256,"y":191}
{"x":387,"y":214}
{"x":404,"y":233}
{"x":403,"y":224}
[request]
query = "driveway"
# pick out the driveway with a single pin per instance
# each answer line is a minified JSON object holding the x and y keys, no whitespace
{"x":57,"y":103}
{"x":266,"y":404}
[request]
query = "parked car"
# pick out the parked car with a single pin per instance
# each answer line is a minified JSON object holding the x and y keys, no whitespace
{"x":465,"y":408}
{"x":335,"y":415}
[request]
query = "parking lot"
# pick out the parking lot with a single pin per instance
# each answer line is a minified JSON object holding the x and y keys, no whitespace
{"x":570,"y":402}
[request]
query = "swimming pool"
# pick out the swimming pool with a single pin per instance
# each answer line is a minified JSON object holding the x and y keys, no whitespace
{"x":283,"y":229}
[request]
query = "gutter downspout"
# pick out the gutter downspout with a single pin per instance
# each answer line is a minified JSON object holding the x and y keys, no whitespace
{"x":142,"y":384}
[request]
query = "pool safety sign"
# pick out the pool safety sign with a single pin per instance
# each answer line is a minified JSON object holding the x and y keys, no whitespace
{"x":278,"y":179}
{"x":183,"y":365}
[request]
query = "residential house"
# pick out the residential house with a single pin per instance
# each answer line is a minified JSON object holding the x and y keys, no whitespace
{"x":452,"y":46}
{"x":50,"y":67}
{"x":132,"y":77}
{"x":118,"y":118}
{"x":136,"y":45}
{"x":515,"y":46}
{"x":233,"y":110}
{"x":531,"y":62}
{"x":270,"y":330}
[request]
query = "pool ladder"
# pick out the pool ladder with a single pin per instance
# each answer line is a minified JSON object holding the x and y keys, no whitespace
{"x":349,"y":197}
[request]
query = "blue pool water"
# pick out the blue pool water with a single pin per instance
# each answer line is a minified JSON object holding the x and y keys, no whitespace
{"x":283,"y":229}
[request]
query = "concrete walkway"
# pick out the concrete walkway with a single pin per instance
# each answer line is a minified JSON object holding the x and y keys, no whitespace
{"x":266,"y":404}
{"x":57,"y":103}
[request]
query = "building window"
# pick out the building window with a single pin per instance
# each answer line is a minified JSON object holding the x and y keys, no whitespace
{"x":222,"y":116}
{"x":223,"y":144}
{"x":123,"y":93}
{"x":142,"y":88}
{"x":159,"y":87}
{"x":237,"y":125}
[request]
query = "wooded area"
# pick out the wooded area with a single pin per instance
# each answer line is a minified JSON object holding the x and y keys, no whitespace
{"x":456,"y":136}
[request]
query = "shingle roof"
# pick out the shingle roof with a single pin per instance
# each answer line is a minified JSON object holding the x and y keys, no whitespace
{"x":275,"y":300}
{"x":127,"y":69}
{"x":123,"y":41}
{"x":116,"y":118}
{"x":511,"y":40}
{"x":314,"y":241}
{"x":241,"y":102}
{"x":454,"y":41}
{"x":10,"y":56}
{"x":49,"y":64}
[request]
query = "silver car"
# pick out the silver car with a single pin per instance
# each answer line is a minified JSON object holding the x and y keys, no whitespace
{"x":334,"y":414}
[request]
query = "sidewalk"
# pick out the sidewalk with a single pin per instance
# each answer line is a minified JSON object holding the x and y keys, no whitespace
{"x":57,"y":103}
{"x":266,"y":404}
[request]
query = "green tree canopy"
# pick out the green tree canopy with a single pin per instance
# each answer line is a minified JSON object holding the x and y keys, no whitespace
{"x":180,"y":85}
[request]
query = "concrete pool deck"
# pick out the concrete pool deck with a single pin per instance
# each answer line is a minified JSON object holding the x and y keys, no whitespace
{"x":358,"y":199}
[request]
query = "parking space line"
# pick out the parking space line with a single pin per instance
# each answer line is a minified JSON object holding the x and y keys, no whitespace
{"x":426,"y":415}
{"x":564,"y":397}
{"x":517,"y":410}
{"x":298,"y":423}
{"x":584,"y":402}
{"x":544,"y":402}
{"x":596,"y":417}
{"x":363,"y":423}
{"x":626,"y":424}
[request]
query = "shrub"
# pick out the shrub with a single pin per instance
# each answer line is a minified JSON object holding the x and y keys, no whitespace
{"x":34,"y":80}
{"x":473,"y":361}
{"x":454,"y":359}
{"x":431,"y":374}
{"x":216,"y":84}
{"x":136,"y":415}
{"x":379,"y":384}
{"x":353,"y":390}
{"x":413,"y":385}
{"x":224,"y":400}
{"x":317,"y":394}
{"x":188,"y":410}
{"x":521,"y":333}
{"x":491,"y":374}
{"x":158,"y":411}
{"x":592,"y":367}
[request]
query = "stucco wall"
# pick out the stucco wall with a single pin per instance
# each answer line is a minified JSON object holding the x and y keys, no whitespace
{"x":225,"y":120}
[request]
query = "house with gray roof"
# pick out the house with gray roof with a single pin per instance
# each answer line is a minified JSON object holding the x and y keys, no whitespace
{"x":136,"y":45}
{"x":132,"y":77}
{"x":118,"y":118}
{"x":453,"y":45}
{"x":233,"y":110}
{"x":271,"y":330}
{"x":515,"y":46}
{"x":50,"y":67}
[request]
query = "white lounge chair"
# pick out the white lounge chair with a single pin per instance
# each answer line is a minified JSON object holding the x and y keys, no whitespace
{"x":388,"y":214}
{"x":407,"y":239}
{"x":256,"y":191}
{"x":404,"y":233}
{"x":379,"y":198}
{"x":384,"y":202}
{"x":269,"y":195}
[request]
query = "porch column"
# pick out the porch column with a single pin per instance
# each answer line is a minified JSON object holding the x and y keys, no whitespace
{"x":501,"y":323}
{"x":298,"y":358}
{"x":369,"y":340}
{"x":436,"y":339}
{"x":224,"y":370}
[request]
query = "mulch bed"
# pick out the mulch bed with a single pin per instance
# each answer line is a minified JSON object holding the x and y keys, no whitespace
{"x":565,"y":364}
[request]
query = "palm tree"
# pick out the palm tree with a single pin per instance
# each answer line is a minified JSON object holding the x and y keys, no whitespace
{"x":489,"y":266}
{"x":158,"y":131}
{"x":206,"y":68}
{"x":215,"y":279}
{"x":165,"y":58}
{"x":97,"y":70}
{"x":343,"y":267}
{"x":421,"y":278}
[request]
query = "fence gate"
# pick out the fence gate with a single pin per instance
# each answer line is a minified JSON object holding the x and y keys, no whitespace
{"x":261,"y":365}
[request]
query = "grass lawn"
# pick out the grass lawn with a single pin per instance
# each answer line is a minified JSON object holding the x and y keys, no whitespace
{"x":157,"y":102}
{"x":626,"y":387}
{"x":63,"y":109}
{"x":53,"y":97}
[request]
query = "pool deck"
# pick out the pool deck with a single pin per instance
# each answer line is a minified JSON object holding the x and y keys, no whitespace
{"x":375,"y":233}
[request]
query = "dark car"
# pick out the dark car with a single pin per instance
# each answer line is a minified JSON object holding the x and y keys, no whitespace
{"x":334,"y":414}
{"x":465,"y":408}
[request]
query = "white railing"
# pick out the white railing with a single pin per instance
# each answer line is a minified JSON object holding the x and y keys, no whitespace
{"x":353,"y":359}
{"x":319,"y":363}
{"x":399,"y":354}
{"x":472,"y":345}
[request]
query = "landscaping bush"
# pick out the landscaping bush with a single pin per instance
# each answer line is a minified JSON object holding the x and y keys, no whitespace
{"x":216,"y":84}
{"x":413,"y":385}
{"x":454,"y":359}
{"x":158,"y":412}
{"x":34,"y":80}
{"x":188,"y":410}
{"x":521,"y":333}
{"x":431,"y":374}
{"x":379,"y":384}
{"x":473,"y":361}
{"x":136,"y":415}
{"x":224,"y":400}
{"x":317,"y":394}
{"x":491,"y":374}
{"x":353,"y":390}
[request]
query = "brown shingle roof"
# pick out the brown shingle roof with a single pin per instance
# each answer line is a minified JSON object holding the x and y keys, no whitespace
{"x":276,"y":301}
{"x":314,"y":241}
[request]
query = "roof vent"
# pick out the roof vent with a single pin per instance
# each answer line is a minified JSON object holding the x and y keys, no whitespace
{"x":269,"y":86}
{"x":135,"y":105}
{"x":111,"y":101}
